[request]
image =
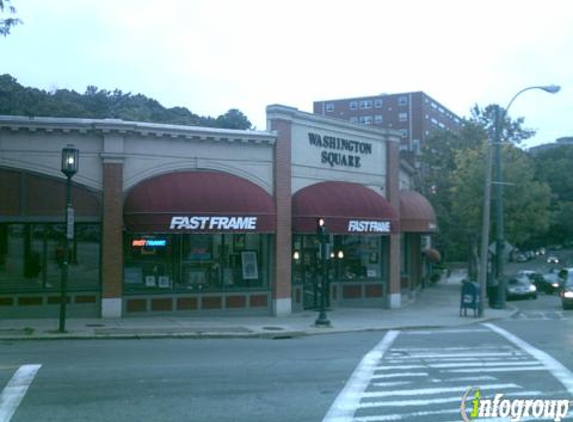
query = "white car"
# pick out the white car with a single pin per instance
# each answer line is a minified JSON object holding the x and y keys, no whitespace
{"x":552,"y":259}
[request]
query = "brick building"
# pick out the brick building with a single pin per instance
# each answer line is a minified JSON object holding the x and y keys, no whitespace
{"x":413,"y":114}
{"x":179,"y":219}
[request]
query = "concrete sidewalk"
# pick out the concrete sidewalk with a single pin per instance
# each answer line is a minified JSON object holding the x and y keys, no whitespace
{"x":435,"y":306}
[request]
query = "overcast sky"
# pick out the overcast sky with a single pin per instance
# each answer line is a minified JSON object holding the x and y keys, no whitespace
{"x":213,"y":55}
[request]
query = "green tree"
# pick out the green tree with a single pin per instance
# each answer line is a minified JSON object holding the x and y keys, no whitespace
{"x":453,"y":169}
{"x":97,"y":103}
{"x":553,"y":167}
{"x":526,"y":200}
{"x":6,"y":23}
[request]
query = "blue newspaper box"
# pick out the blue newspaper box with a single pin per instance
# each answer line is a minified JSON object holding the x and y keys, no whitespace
{"x":470,"y":298}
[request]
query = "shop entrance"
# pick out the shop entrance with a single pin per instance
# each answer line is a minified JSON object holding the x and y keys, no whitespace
{"x":308,"y":271}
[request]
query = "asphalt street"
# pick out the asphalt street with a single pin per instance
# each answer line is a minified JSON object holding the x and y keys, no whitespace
{"x":399,"y":375}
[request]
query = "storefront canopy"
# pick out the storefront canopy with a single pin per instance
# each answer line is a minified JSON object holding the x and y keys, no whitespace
{"x":199,"y":202}
{"x":416,"y":213}
{"x":348,"y":208}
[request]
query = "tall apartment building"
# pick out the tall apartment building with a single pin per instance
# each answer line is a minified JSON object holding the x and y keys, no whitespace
{"x":414,"y":114}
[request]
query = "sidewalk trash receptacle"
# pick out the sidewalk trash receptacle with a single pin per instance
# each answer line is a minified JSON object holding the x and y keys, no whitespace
{"x":470,"y":298}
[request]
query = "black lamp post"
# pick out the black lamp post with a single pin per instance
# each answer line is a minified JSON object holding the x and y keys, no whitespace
{"x":322,"y":232}
{"x":70,"y":165}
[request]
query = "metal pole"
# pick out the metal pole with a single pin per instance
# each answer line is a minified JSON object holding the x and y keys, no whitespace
{"x":64,"y":284}
{"x":482,"y":274}
{"x":500,"y":241}
{"x":322,"y":319}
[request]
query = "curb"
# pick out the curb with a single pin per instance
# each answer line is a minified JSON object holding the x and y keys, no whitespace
{"x":275,"y":335}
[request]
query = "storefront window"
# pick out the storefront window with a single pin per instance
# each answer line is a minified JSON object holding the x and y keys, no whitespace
{"x":350,"y":258}
{"x":362,"y":257}
{"x":196,"y":262}
{"x":31,"y":257}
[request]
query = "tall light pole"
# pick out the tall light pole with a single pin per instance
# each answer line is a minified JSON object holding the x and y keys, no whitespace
{"x":500,"y":238}
{"x":70,"y":165}
{"x":499,"y":118}
{"x":322,"y":232}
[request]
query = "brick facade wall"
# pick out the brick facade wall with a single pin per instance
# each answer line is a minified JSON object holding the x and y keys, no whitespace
{"x":112,"y":227}
{"x":283,"y":238}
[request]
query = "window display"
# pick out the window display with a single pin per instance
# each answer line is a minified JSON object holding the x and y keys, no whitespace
{"x":196,"y":262}
{"x":31,"y":257}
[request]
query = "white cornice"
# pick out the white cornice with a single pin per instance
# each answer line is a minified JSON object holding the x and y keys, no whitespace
{"x":53,"y":124}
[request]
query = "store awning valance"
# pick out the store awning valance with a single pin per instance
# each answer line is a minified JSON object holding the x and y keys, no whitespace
{"x":348,"y":208}
{"x":416,"y":213}
{"x":199,"y":202}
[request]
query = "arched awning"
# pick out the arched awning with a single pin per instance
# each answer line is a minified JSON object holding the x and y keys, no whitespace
{"x":199,"y":202}
{"x":24,"y":194}
{"x":348,"y":208}
{"x":416,"y":213}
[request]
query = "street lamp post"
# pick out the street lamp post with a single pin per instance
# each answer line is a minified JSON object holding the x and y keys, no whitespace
{"x":499,"y":118}
{"x":70,"y":163}
{"x":500,"y":237}
{"x":321,"y":231}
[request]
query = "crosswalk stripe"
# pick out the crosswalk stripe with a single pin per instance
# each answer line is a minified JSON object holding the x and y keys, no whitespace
{"x":427,"y":402}
{"x":437,"y":390}
{"x":500,"y":369}
{"x":346,"y":403}
{"x":15,"y":390}
{"x":400,"y":375}
{"x":482,"y":364}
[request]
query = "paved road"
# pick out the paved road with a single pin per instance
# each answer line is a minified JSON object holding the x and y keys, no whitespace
{"x":183,"y":380}
{"x":416,"y":375}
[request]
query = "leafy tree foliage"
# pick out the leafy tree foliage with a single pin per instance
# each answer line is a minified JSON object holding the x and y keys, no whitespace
{"x":101,"y":104}
{"x":554,"y":168}
{"x":7,"y":23}
{"x":456,"y":169}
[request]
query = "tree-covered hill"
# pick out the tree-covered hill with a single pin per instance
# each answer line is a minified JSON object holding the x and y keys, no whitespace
{"x":95,"y":103}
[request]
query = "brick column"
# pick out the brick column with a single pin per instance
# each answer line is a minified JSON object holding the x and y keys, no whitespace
{"x":393,"y":196}
{"x":112,"y":239}
{"x":282,"y":302}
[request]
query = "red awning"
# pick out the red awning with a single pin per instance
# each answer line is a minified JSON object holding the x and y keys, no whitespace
{"x":200,"y":201}
{"x":348,"y":208}
{"x":416,"y":213}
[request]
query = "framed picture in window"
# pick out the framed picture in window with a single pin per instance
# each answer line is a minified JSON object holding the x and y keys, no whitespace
{"x":163,"y":282}
{"x":249,"y":265}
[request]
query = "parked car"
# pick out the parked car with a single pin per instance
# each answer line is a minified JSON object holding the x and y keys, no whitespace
{"x":539,"y":281}
{"x":551,"y":283}
{"x":566,"y":292}
{"x":552,"y":259}
{"x":520,"y":287}
{"x":519,"y":257}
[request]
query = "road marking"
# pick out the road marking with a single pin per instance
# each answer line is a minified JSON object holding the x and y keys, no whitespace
{"x":564,"y":375}
{"x":426,"y":401}
{"x":454,"y":331}
{"x":476,"y":355}
{"x":439,"y":390}
{"x":343,"y":408}
{"x":391,"y":383}
{"x":483,"y":364}
{"x":500,"y":369}
{"x":405,"y":416}
{"x":15,"y":390}
{"x":403,"y":374}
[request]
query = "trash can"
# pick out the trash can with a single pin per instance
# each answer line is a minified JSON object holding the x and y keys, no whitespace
{"x":470,"y":297}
